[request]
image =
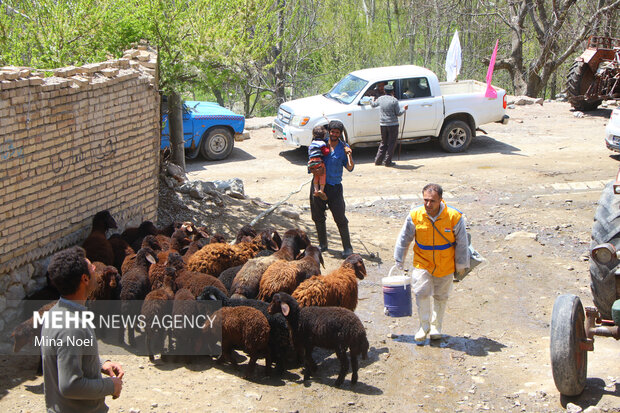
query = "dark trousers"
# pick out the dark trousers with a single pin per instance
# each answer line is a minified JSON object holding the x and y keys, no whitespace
{"x":335,"y":201}
{"x":389,"y":134}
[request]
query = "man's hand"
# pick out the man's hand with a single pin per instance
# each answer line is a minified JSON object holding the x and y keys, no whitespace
{"x":406,"y":107}
{"x":348,"y":150}
{"x":399,"y":265}
{"x":118,"y":386}
{"x":112,"y":369}
{"x":460,"y":274}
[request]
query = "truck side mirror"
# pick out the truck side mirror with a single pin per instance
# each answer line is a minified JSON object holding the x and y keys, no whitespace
{"x":365,"y":100}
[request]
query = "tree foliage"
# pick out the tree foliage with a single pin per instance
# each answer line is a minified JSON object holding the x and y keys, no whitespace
{"x":254,"y":54}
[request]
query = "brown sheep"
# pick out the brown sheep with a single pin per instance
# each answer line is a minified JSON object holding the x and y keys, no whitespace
{"x":192,"y":280}
{"x":338,"y":288}
{"x":213,"y":259}
{"x":247,"y":280}
{"x":217,"y":257}
{"x":157,"y":271}
{"x":96,"y":245}
{"x":157,"y":304}
{"x":177,"y":242}
{"x":197,"y":281}
{"x":107,"y":282}
{"x":24,"y":333}
{"x":186,"y":340}
{"x":169,"y":229}
{"x":148,"y":242}
{"x":285,"y":276}
{"x":245,"y":231}
{"x":166,"y":241}
{"x":200,"y":238}
{"x":245,"y":328}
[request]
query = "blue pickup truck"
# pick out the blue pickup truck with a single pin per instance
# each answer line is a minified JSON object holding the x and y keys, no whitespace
{"x":209,"y":130}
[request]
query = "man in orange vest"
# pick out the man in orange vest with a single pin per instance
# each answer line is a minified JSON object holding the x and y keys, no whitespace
{"x":440,"y":249}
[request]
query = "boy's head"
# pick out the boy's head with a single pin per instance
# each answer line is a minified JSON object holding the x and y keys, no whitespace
{"x":318,"y":132}
{"x":66,"y":269}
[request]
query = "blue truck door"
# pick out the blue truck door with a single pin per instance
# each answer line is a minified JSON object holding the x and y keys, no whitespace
{"x":188,"y":128}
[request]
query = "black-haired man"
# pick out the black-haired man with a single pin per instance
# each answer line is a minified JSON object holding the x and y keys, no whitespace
{"x":71,"y":366}
{"x":340,"y":155}
{"x":390,"y":111}
{"x":439,"y":237}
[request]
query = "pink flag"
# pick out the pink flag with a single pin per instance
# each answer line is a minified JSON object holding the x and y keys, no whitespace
{"x":491,"y":93}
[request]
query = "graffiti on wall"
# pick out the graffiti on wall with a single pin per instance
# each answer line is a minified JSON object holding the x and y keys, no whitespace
{"x":90,"y":158}
{"x":9,"y":150}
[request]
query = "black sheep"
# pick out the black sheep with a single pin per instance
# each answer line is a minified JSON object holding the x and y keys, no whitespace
{"x":228,"y":275}
{"x":279,"y":340}
{"x":134,"y":236}
{"x":333,"y":328}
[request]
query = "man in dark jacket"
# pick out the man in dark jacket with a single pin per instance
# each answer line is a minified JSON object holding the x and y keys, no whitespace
{"x":390,"y":111}
{"x":340,"y":155}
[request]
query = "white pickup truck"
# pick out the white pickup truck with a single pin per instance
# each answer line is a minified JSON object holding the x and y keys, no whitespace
{"x":449,"y":111}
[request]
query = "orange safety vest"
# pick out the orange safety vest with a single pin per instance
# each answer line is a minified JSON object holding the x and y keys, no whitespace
{"x":431,"y":251}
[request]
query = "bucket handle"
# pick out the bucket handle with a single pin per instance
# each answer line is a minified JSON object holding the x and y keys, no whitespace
{"x":390,"y":274}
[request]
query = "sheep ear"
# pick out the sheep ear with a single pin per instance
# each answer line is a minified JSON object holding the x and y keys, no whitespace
{"x":276,"y":238}
{"x":285,"y":309}
{"x":150,"y":259}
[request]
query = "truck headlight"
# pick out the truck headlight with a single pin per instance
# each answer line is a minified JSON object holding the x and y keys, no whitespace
{"x":300,"y":120}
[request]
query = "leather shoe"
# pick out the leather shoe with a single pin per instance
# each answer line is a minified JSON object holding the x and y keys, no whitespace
{"x":389,"y":164}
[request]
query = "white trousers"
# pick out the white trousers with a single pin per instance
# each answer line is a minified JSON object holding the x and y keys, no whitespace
{"x":425,"y":285}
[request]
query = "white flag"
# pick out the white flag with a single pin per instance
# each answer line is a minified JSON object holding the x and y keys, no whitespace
{"x":453,"y":59}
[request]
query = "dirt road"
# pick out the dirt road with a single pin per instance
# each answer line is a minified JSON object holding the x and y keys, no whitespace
{"x":538,"y":178}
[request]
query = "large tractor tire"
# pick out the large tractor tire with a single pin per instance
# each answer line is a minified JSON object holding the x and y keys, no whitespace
{"x":606,"y":228}
{"x":579,"y":79}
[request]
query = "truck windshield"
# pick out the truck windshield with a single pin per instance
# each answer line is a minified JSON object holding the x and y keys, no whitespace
{"x":347,"y":89}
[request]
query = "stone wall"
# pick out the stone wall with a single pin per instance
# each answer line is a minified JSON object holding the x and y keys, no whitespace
{"x":80,"y":141}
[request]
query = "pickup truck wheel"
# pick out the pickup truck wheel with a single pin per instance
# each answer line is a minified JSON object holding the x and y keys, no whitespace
{"x":217,"y":144}
{"x":455,"y":136}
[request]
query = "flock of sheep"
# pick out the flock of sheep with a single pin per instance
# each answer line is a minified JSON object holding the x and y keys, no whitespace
{"x":275,"y":302}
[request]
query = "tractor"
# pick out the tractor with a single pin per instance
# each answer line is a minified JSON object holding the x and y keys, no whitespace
{"x":595,"y":75}
{"x":573,"y":329}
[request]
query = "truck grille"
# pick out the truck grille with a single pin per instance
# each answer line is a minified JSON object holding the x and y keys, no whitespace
{"x":284,"y":116}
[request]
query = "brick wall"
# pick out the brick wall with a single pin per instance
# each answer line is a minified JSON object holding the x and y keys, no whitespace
{"x":83,"y":140}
